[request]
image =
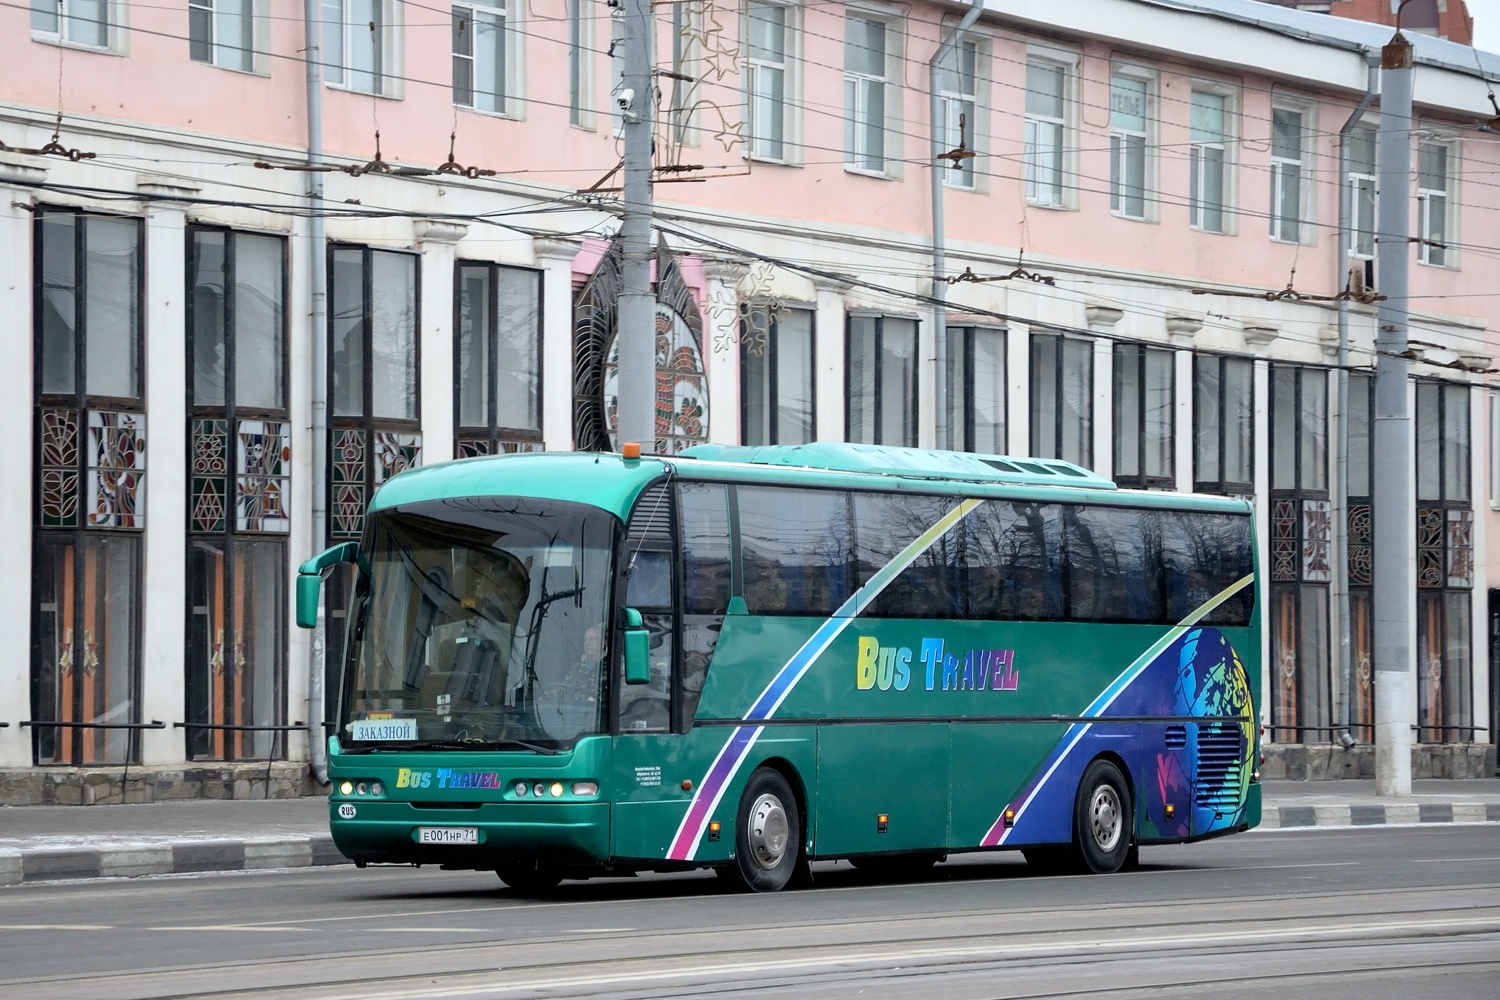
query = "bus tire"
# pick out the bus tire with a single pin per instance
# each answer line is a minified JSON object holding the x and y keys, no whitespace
{"x":529,"y":879}
{"x":767,"y":834}
{"x":1103,"y":819}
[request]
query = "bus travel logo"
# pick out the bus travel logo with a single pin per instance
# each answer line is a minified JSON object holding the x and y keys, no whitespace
{"x":886,"y":667}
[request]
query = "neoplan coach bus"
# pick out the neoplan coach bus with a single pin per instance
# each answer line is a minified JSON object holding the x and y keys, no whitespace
{"x":568,"y":665}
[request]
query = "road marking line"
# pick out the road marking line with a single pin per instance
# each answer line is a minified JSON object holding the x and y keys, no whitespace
{"x":56,"y":927}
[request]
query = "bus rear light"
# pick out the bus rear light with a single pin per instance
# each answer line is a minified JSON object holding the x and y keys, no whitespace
{"x":585,"y":789}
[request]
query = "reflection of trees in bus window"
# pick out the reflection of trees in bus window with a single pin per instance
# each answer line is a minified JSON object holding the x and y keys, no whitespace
{"x":1114,"y":572}
{"x":703,"y":513}
{"x":1203,"y":553}
{"x":885,"y":524}
{"x":1012,"y":553}
{"x":795,"y":550}
{"x":700,"y":633}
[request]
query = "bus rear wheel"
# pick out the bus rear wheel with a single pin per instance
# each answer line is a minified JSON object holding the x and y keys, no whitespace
{"x":529,"y":878}
{"x":1103,"y":819}
{"x":767,"y":834}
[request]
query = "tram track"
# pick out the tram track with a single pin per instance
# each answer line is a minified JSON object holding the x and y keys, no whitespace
{"x":696,"y":958}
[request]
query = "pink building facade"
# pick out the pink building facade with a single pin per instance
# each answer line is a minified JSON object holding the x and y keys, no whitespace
{"x":1137,"y":214}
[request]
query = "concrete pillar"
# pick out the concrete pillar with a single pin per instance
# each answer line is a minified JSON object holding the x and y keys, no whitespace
{"x":300,"y":541}
{"x":1018,"y":389}
{"x":555,"y":258}
{"x":1104,"y":411}
{"x":720,"y":329}
{"x":1262,"y":466}
{"x":16,"y":454}
{"x":436,"y":242}
{"x":832,"y":344}
{"x":164,"y":601}
{"x":1183,"y":421}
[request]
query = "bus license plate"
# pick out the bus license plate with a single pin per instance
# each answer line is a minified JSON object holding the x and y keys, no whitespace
{"x":447,"y":834}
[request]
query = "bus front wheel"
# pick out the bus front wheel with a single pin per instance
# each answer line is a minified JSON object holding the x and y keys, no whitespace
{"x":767,"y":834}
{"x":1103,"y":819}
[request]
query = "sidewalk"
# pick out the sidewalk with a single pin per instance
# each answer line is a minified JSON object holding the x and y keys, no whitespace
{"x":54,"y":843}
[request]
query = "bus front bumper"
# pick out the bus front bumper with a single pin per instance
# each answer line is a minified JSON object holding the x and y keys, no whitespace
{"x":384,"y":832}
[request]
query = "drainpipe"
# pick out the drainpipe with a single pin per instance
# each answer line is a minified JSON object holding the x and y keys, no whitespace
{"x":1341,"y":418}
{"x":939,"y":249}
{"x":317,"y":253}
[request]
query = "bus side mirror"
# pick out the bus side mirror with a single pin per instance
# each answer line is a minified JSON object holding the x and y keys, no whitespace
{"x":637,"y":649}
{"x":310,"y":580}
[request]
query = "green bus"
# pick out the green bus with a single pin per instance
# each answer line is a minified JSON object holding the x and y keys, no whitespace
{"x":561,"y":666}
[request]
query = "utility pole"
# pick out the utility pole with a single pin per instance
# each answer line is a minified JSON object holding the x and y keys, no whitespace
{"x":1395,"y":683}
{"x":635,"y":99}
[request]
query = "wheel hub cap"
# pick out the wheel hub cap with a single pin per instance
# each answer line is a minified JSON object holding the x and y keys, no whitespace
{"x":768,"y":831}
{"x":1105,"y":817}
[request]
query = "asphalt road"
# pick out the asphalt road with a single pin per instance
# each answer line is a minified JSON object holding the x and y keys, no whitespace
{"x":1367,"y":914}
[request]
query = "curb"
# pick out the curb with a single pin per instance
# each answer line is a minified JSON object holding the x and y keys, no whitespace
{"x":1377,"y":814}
{"x":35,"y":865}
{"x":21,"y":867}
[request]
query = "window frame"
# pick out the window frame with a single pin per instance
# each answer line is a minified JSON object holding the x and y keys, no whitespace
{"x":1430,"y":251}
{"x":961,"y":371}
{"x":507,"y":14}
{"x":788,"y":68}
{"x":877,"y":393}
{"x":1354,"y":182}
{"x":1064,"y":192}
{"x":1120,"y":150}
{"x":962,"y":102}
{"x":1219,"y":483}
{"x":1034,"y":374}
{"x":385,"y":52}
{"x":497,"y":437}
{"x":257,"y":58}
{"x":856,"y":157}
{"x":1304,"y":167}
{"x":115,"y":26}
{"x":580,"y":41}
{"x":1141,"y":478}
{"x":772,"y":355}
{"x":1226,"y":145}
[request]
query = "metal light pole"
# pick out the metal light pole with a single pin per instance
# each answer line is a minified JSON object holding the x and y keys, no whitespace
{"x":636,"y":100}
{"x":1395,"y":688}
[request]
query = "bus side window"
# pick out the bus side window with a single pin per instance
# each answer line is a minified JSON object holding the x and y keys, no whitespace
{"x":1203,"y":554}
{"x":703,"y":516}
{"x":797,"y":550}
{"x":648,"y":589}
{"x":1012,"y":554}
{"x":1114,"y":573}
{"x":885,"y":524}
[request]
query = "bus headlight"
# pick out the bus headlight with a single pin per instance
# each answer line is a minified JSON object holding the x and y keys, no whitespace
{"x":346,"y":788}
{"x":585,"y":789}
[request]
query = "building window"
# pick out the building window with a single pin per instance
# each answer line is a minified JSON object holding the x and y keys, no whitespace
{"x":1224,"y":425}
{"x":958,"y":88}
{"x":1361,"y":554}
{"x":1433,"y":203}
{"x":976,"y":390}
{"x":579,"y":79}
{"x":1145,"y":401}
{"x":497,"y":366}
{"x":766,"y":79}
{"x":90,"y":501}
{"x":372,"y":378}
{"x":358,"y":44}
{"x":1127,"y":146}
{"x":867,"y":51}
{"x":1301,"y":540}
{"x":1207,"y":193}
{"x":222,"y":32}
{"x":776,"y":376}
{"x":882,"y":382}
{"x":1062,"y":398}
{"x":1288,"y":148}
{"x":1360,"y":181}
{"x":1046,"y":126}
{"x":239,"y":470}
{"x":1445,"y":564}
{"x":687,"y":21}
{"x":75,"y":22}
{"x":481,"y":55}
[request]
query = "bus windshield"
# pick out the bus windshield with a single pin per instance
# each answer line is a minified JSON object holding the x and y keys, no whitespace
{"x":480,"y":623}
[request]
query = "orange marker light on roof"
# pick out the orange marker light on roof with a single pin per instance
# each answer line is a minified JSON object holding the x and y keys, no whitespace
{"x":631,"y":449}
